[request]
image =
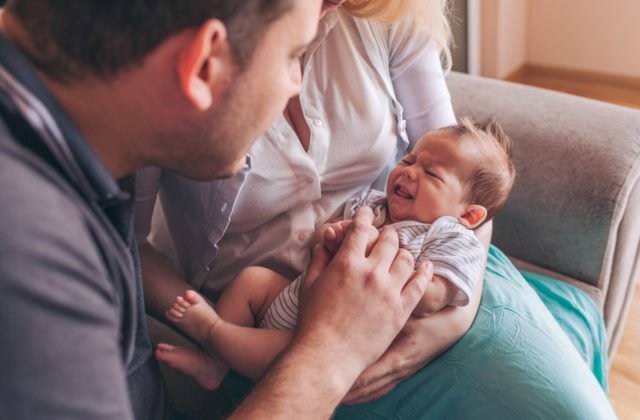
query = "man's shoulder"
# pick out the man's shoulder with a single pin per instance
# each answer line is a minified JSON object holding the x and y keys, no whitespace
{"x":43,"y":217}
{"x":31,"y":192}
{"x":58,"y":296}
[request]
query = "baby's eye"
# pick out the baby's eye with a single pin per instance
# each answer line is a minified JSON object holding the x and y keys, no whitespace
{"x":430,"y":173}
{"x":405,"y":162}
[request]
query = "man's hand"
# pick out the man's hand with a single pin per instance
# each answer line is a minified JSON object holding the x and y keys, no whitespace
{"x":353,"y":307}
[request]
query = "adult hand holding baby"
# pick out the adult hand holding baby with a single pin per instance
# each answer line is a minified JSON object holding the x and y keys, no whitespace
{"x":351,"y":309}
{"x":412,"y":349}
{"x":371,"y":287}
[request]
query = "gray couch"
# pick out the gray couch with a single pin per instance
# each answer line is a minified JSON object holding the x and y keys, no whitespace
{"x":574,"y":213}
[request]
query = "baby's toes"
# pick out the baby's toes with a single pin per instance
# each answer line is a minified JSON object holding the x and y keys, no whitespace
{"x":182,"y":302}
{"x":173,"y":313}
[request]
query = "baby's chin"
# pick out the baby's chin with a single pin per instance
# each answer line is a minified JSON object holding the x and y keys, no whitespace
{"x":393,"y":216}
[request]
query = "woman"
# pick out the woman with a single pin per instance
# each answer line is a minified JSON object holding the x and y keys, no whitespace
{"x":372,"y":84}
{"x":332,"y":142}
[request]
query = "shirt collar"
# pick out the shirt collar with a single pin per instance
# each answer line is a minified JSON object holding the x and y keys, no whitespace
{"x":325,"y":26}
{"x":42,"y":111}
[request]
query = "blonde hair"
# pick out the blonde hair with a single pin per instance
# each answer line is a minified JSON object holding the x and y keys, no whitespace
{"x":429,"y":15}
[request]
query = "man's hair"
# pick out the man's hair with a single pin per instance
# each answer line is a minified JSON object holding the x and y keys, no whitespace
{"x":76,"y":38}
{"x":490,"y":183}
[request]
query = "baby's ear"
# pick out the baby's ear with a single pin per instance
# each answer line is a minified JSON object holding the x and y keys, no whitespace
{"x":473,"y":216}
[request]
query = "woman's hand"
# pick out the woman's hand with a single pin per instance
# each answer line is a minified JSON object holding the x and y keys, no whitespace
{"x":421,"y":341}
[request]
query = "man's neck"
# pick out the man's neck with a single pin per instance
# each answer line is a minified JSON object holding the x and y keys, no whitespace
{"x":109,"y":125}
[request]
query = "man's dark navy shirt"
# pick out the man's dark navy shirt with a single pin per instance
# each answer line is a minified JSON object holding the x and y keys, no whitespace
{"x":74,"y":337}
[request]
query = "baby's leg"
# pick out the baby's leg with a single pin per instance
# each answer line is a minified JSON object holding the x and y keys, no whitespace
{"x":243,"y":303}
{"x":247,"y":298}
{"x":205,"y":369}
{"x":193,"y":315}
{"x":247,"y":350}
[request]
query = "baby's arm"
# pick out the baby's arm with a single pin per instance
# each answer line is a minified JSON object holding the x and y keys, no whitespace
{"x":439,"y":294}
{"x":458,"y":261}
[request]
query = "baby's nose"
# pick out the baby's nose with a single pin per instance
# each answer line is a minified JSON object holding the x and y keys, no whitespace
{"x":410,"y":171}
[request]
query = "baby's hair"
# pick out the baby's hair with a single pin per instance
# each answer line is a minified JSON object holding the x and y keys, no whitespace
{"x":492,"y":180}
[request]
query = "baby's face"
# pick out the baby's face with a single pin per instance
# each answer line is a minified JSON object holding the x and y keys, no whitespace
{"x":429,"y":182}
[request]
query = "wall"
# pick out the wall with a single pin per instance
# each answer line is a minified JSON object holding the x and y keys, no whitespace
{"x":589,"y":35}
{"x":503,"y":36}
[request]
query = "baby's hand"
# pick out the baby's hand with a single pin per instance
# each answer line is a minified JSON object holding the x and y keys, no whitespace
{"x":334,"y":235}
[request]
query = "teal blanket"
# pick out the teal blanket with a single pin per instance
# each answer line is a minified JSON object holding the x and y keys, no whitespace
{"x":536,"y":350}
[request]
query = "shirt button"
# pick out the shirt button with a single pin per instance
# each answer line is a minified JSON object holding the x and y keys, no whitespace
{"x":302,"y":237}
{"x":208,"y":268}
{"x":317,"y":123}
{"x":309,"y":179}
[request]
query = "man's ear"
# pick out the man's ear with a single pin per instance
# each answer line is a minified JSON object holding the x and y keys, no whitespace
{"x":473,"y":216}
{"x":202,"y":62}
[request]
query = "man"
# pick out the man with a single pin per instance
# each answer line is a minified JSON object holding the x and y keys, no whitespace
{"x":91,"y":91}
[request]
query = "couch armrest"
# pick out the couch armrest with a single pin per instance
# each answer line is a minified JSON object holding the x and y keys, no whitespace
{"x":574,"y":212}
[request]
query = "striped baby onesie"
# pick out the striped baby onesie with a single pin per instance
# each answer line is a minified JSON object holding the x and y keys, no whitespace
{"x":454,"y":250}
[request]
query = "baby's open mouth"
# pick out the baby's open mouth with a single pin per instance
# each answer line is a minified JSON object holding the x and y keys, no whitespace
{"x":402,"y":192}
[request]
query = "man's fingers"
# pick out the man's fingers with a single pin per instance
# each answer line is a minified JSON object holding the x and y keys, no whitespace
{"x":357,"y":236}
{"x":319,"y":261}
{"x":417,"y":285}
{"x":385,"y":250}
{"x":402,"y":266}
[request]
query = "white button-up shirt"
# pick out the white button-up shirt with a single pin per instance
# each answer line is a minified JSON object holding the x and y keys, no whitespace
{"x":357,"y":74}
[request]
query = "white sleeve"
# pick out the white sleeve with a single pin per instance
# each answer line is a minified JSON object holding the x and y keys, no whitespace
{"x":147,"y":187}
{"x":418,"y":81}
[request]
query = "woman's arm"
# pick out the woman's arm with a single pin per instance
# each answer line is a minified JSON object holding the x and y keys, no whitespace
{"x":421,"y":341}
{"x":161,"y":283}
{"x":421,"y":88}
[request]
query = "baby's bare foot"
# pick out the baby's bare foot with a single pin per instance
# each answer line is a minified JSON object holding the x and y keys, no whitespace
{"x":206,"y":370}
{"x":193,"y":315}
{"x":176,"y":312}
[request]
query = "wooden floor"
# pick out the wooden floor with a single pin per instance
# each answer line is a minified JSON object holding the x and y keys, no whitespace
{"x":624,"y":376}
{"x":616,"y":89}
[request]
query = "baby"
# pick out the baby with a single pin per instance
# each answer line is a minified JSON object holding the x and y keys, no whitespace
{"x":454,"y":180}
